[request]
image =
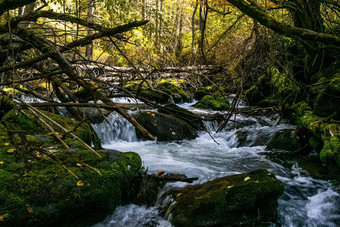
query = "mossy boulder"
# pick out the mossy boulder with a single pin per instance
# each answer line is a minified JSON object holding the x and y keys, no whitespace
{"x":203,"y":91}
{"x":43,"y":193}
{"x":165,"y":127}
{"x":213,"y":103}
{"x":245,"y":199}
{"x":321,"y":130}
{"x":45,"y":184}
{"x":331,"y":150}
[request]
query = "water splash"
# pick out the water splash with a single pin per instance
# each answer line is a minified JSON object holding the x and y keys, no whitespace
{"x":115,"y":129}
{"x":134,"y":216}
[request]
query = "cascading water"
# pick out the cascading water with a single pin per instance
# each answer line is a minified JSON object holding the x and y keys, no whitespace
{"x":306,"y":201}
{"x":115,"y":129}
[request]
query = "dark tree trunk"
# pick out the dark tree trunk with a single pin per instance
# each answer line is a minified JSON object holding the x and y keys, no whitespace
{"x":306,"y":14}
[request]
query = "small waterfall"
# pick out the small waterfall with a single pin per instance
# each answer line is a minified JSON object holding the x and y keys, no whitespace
{"x":116,"y":129}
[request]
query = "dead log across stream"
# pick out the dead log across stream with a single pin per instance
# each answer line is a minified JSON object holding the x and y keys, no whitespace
{"x":111,"y":74}
{"x":243,"y":110}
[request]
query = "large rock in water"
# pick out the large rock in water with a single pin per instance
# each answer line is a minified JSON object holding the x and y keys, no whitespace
{"x":244,"y":199}
{"x":165,"y":126}
{"x":213,"y":103}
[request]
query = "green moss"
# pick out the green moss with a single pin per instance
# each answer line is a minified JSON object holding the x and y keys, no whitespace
{"x":203,"y":91}
{"x":164,"y":90}
{"x":177,"y":93}
{"x":213,"y":102}
{"x":285,"y":90}
{"x":331,"y":150}
{"x":322,"y":132}
{"x":228,"y":201}
{"x":31,"y":125}
{"x":154,"y":95}
{"x":52,"y":193}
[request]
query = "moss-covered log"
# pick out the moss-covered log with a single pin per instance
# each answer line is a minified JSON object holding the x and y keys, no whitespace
{"x":283,"y":28}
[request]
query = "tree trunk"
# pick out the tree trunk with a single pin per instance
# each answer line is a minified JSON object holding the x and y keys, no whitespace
{"x":306,"y":14}
{"x":143,"y":10}
{"x":203,"y":23}
{"x":193,"y":46}
{"x":90,"y":11}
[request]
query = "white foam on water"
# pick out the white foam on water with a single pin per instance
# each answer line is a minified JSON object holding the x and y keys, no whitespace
{"x":134,"y":216}
{"x":323,"y":207}
{"x":126,"y":100}
{"x":305,"y":202}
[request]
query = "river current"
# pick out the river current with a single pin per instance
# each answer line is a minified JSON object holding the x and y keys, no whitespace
{"x":307,"y":200}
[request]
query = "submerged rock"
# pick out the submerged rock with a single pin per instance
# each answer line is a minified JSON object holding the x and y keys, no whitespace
{"x":244,"y":199}
{"x":165,"y":126}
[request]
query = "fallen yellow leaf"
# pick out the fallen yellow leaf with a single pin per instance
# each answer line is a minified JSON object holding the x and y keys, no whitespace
{"x":2,"y":218}
{"x":78,"y":164}
{"x":247,"y":178}
{"x":153,"y":115}
{"x":6,"y":144}
{"x":10,"y":150}
{"x":80,"y":184}
{"x":1,"y":162}
{"x":29,"y":209}
{"x":38,"y":154}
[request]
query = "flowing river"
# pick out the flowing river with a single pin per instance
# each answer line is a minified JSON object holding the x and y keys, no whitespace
{"x":307,"y":200}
